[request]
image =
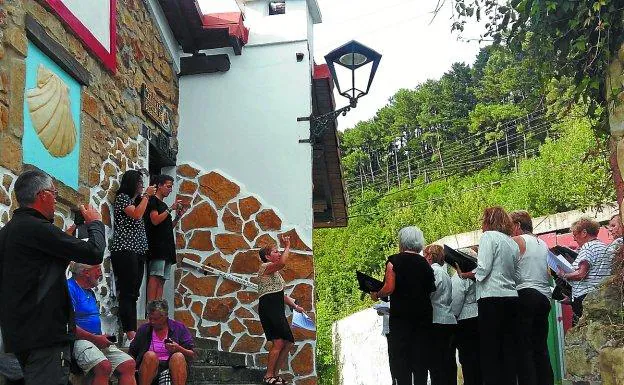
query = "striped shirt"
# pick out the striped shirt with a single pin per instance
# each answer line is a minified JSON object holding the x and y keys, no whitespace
{"x":596,"y":254}
{"x":464,"y":303}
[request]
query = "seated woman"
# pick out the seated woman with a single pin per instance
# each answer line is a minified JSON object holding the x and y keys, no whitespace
{"x":271,"y":309}
{"x":162,"y":344}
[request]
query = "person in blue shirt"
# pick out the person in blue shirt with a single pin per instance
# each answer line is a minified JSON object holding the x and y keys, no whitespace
{"x":93,"y":351}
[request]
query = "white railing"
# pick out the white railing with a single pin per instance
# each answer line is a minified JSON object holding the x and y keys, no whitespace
{"x":205,"y":270}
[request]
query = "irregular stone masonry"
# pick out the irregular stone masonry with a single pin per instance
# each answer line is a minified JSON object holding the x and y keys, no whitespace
{"x":594,"y":349}
{"x":224,"y":228}
{"x":101,"y":196}
{"x":111,"y":116}
{"x":111,"y":104}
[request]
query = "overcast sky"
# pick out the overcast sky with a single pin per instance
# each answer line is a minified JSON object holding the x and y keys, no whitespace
{"x":413,"y":49}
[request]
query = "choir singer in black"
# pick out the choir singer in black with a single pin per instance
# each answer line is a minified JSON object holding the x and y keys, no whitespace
{"x":409,"y":282}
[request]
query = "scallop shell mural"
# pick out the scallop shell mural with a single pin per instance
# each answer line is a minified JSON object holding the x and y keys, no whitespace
{"x":50,"y":112}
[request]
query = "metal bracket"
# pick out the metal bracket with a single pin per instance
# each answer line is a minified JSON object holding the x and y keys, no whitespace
{"x":318,"y":124}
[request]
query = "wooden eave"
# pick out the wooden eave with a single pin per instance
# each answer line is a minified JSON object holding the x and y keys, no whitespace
{"x":185,"y":21}
{"x":329,"y":202}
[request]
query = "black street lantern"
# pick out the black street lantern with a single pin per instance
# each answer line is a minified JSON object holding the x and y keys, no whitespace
{"x":344,"y":61}
{"x":354,"y":64}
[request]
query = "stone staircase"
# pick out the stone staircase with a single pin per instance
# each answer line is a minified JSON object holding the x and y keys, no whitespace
{"x":212,"y":367}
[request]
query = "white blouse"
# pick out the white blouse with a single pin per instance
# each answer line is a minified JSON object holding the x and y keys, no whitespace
{"x":496,"y":266}
{"x":464,"y":303}
{"x":442,"y":297}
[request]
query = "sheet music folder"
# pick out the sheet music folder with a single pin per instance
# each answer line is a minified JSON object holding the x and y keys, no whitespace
{"x":466,"y":262}
{"x":367,"y":284}
{"x":566,"y":252}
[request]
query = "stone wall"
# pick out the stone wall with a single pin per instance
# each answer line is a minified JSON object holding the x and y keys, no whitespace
{"x":111,"y":116}
{"x":224,"y":228}
{"x":594,"y":349}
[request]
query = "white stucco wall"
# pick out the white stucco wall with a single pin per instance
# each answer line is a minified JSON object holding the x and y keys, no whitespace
{"x":95,"y":16}
{"x":360,"y":350}
{"x":244,"y":121}
{"x":264,"y":29}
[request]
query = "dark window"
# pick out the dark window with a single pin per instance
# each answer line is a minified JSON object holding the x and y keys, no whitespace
{"x":277,"y":7}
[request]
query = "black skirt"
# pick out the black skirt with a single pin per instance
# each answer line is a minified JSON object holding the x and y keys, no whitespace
{"x":273,"y":318}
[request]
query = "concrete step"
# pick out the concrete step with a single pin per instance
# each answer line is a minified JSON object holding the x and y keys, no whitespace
{"x":206,"y":343}
{"x":219,"y":358}
{"x":224,"y":375}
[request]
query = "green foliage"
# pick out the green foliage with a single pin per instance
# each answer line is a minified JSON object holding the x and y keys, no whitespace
{"x":561,"y":178}
{"x":440,"y":122}
{"x":579,"y":38}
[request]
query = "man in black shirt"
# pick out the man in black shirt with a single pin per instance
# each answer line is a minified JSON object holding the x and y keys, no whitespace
{"x":409,"y":281}
{"x":159,"y":226}
{"x":36,"y":314}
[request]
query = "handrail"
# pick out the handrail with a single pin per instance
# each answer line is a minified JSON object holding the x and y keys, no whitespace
{"x":205,"y":270}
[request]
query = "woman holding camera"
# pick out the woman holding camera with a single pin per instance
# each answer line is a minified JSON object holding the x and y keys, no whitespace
{"x":159,"y":225}
{"x":129,"y":245}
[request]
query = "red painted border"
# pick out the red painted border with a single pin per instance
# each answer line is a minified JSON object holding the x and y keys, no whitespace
{"x":109,"y":59}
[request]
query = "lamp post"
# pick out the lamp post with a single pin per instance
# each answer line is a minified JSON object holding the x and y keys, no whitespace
{"x":353,"y":64}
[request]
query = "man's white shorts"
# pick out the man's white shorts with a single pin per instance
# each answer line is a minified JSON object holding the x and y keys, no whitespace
{"x":88,"y":355}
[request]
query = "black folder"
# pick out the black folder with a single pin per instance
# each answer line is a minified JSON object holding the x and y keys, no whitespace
{"x":465,"y":261}
{"x":562,"y":287}
{"x":566,"y":252}
{"x":367,"y":284}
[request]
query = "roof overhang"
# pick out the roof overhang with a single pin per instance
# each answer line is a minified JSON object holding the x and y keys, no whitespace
{"x":196,"y":30}
{"x":329,"y":202}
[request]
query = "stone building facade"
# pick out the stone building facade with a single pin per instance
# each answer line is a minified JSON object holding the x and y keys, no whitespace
{"x":236,"y":206}
{"x":224,"y":229}
{"x":113,"y":128}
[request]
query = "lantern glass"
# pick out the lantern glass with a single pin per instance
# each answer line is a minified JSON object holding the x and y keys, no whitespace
{"x":353,"y":59}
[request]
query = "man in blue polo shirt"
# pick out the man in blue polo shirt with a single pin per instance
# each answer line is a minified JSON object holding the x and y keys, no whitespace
{"x":93,"y":351}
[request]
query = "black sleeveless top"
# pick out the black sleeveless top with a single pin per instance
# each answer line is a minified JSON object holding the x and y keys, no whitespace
{"x":414,"y":284}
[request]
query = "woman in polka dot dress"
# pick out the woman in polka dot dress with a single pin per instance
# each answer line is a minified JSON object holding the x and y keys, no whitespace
{"x":129,"y":245}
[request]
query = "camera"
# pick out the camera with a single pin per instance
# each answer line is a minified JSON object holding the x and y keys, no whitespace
{"x":168,"y":341}
{"x":112,"y":339}
{"x":78,"y":218}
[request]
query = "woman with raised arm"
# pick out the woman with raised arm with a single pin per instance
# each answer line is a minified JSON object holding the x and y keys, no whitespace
{"x":271,"y":309}
{"x":129,"y":245}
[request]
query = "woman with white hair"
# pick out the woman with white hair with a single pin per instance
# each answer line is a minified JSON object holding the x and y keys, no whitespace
{"x":409,"y":282}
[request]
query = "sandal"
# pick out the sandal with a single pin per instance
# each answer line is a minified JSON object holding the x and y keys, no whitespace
{"x":282,"y":380}
{"x":272,"y":381}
